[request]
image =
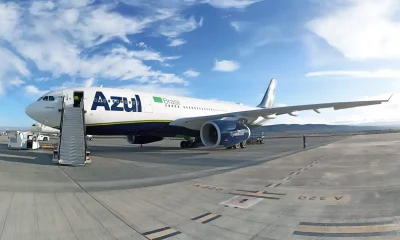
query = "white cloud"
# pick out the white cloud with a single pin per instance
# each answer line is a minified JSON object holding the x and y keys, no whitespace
{"x":364,"y":29}
{"x":99,"y":26}
{"x":191,"y":73}
{"x":381,"y":73}
{"x":225,"y":66}
{"x":88,"y":82}
{"x":240,"y":26}
{"x":9,"y":18}
{"x":146,"y":55}
{"x":176,"y":42}
{"x":142,"y":45}
{"x":70,"y":16}
{"x":231,"y":3}
{"x":179,"y":4}
{"x":54,"y":38}
{"x":30,"y":89}
{"x":177,"y":25}
{"x":10,"y":66}
{"x":41,"y":7}
{"x":75,"y":3}
{"x":16,"y":82}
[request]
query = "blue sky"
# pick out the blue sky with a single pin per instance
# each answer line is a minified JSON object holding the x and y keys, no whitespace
{"x":319,"y":51}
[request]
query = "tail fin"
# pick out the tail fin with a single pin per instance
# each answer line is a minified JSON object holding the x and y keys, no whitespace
{"x":269,"y":97}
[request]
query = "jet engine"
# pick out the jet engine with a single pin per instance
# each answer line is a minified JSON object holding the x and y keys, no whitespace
{"x":223,"y":133}
{"x":132,"y":139}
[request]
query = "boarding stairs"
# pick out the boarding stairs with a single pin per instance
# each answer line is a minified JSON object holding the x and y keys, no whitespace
{"x":72,"y":143}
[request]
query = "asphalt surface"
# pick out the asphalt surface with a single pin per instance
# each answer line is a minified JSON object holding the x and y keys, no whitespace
{"x":118,"y":164}
{"x":337,"y":188}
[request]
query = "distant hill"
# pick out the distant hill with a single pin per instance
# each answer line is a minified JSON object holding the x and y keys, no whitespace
{"x":3,"y":129}
{"x":318,"y":128}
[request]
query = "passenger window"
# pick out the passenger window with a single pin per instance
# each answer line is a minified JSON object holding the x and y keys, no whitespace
{"x":51,"y":98}
{"x":46,"y":98}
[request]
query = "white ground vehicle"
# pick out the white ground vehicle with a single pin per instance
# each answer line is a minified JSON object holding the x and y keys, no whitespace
{"x":89,"y":137}
{"x":22,"y":140}
{"x":41,"y":137}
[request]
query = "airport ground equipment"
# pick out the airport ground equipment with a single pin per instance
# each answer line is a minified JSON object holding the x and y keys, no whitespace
{"x":72,"y":145}
{"x":22,"y":140}
{"x":41,"y":137}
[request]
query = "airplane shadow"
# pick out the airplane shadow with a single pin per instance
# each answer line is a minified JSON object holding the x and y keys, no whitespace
{"x":40,"y":158}
{"x":144,"y":149}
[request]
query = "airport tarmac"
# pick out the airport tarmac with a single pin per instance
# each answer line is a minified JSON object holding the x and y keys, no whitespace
{"x":338,"y":188}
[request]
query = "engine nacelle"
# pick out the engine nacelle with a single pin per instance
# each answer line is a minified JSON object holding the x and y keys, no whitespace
{"x":223,"y":133}
{"x":132,"y":139}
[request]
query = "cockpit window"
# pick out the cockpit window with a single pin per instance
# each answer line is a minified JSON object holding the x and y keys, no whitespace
{"x":51,"y":98}
{"x":40,"y":99}
{"x":46,"y":98}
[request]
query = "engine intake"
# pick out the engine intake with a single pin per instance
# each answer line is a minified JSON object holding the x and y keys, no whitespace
{"x":223,"y":133}
{"x":132,"y":139}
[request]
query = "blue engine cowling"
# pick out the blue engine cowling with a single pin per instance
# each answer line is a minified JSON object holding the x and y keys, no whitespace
{"x":223,"y":133}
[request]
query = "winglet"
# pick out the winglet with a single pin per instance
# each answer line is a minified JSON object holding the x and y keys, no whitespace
{"x":269,"y":96}
{"x":390,"y":97}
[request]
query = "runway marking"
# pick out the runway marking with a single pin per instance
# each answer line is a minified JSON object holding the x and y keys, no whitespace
{"x":366,"y":229}
{"x":206,"y":187}
{"x":243,"y":202}
{"x":273,"y":185}
{"x":292,"y":174}
{"x":259,"y":194}
{"x":321,"y":199}
{"x":206,"y":218}
{"x":16,"y":156}
{"x":161,"y":233}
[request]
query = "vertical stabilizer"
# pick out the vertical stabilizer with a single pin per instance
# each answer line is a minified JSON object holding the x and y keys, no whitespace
{"x":269,"y":96}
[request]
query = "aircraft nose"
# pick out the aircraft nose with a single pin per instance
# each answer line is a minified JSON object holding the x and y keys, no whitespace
{"x":29,"y":111}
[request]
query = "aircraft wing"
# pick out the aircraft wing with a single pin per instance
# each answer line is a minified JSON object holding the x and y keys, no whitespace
{"x":253,"y":114}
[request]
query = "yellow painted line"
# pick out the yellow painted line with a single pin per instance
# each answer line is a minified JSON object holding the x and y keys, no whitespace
{"x":16,"y":156}
{"x":161,"y":233}
{"x":49,"y":147}
{"x":349,"y":229}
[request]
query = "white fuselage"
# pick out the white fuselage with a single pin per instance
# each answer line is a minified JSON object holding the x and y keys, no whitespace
{"x":107,"y":107}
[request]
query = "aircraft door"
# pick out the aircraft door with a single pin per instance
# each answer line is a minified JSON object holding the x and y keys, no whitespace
{"x":68,"y":97}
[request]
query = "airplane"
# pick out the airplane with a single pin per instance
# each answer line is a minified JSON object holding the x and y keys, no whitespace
{"x":41,"y":128}
{"x":150,"y":117}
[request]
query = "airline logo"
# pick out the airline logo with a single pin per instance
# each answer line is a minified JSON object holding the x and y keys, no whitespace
{"x":166,"y":101}
{"x":117,"y":103}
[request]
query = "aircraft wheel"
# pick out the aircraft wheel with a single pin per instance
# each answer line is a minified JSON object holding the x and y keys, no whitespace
{"x":183,"y":144}
{"x":189,"y":144}
{"x":236,"y":146}
{"x":243,"y":144}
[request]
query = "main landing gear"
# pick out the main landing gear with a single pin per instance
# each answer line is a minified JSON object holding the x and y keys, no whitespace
{"x":191,"y":144}
{"x":186,"y":144}
{"x":238,"y":145}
